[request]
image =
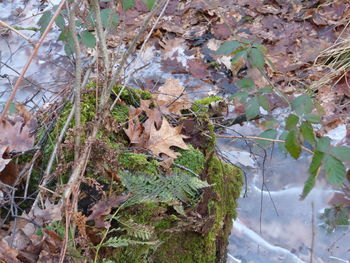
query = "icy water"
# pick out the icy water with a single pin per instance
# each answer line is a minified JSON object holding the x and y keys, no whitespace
{"x":50,"y":71}
{"x":276,"y":226}
{"x":271,"y":227}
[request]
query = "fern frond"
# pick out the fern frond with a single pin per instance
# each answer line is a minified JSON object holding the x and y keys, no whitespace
{"x":136,"y":230}
{"x":178,"y":187}
{"x":123,"y":242}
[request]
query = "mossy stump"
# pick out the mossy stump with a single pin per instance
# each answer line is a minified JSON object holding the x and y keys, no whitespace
{"x":195,"y":231}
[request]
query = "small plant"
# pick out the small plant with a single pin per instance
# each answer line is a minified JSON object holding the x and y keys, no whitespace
{"x":298,"y":132}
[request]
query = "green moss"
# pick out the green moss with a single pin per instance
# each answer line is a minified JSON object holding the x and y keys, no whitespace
{"x":135,"y":162}
{"x":202,"y":104}
{"x":120,"y":113}
{"x":132,"y":96}
{"x":192,"y":159}
{"x":185,"y":247}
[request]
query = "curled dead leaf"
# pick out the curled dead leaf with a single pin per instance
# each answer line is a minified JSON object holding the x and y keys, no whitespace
{"x":103,"y":207}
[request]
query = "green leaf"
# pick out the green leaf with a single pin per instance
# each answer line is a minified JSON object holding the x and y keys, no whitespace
{"x":68,"y":50}
{"x":265,"y":90}
{"x":12,"y":108}
{"x":128,"y":4}
{"x":228,"y":47}
{"x":242,"y":95}
{"x":271,"y":124}
{"x":252,"y":108}
{"x":316,"y":163}
{"x":88,"y":39}
{"x":342,"y":153}
{"x":256,"y":58}
{"x":335,"y":170}
{"x":44,"y":20}
{"x":293,"y":145}
{"x":309,"y":184}
{"x":264,"y":102}
{"x":105,"y":16}
{"x":281,"y":145}
{"x":291,"y":122}
{"x":237,"y":54}
{"x":149,"y":3}
{"x":246,"y":83}
{"x":313,"y":170}
{"x":313,"y":118}
{"x":60,"y":22}
{"x":323,"y":144}
{"x":269,"y":134}
{"x":302,"y":104}
{"x":260,"y":47}
{"x":116,"y":242}
{"x":308,"y":132}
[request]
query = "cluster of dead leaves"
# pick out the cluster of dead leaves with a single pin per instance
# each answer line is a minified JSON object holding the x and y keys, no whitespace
{"x":17,"y":134}
{"x":156,"y":133}
{"x":23,"y":244}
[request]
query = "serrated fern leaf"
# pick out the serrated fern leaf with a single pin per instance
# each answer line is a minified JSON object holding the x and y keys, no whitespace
{"x":179,"y":187}
{"x":136,"y":230}
{"x":123,"y":242}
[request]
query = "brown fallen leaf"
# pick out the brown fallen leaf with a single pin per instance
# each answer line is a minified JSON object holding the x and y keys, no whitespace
{"x":135,"y":128}
{"x":161,"y":140}
{"x":154,"y":114}
{"x":172,"y":97}
{"x":7,"y":254}
{"x":103,"y":207}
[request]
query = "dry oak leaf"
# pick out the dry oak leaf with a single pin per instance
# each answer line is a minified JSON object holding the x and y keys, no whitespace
{"x":134,"y":129}
{"x":7,"y":254}
{"x":103,"y":208}
{"x":172,"y":97}
{"x":154,"y":115}
{"x":161,"y":140}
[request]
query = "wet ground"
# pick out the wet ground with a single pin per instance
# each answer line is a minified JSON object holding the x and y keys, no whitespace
{"x":49,"y":73}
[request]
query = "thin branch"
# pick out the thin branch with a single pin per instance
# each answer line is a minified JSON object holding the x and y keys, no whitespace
{"x":30,"y":59}
{"x":261,"y":139}
{"x":106,"y":92}
{"x":47,"y":172}
{"x":2,"y":23}
{"x":79,"y":167}
{"x":100,"y":34}
{"x":142,"y":48}
{"x":77,"y":85}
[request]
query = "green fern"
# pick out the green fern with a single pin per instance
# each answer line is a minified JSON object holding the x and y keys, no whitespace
{"x":123,"y":242}
{"x":178,"y":187}
{"x":136,"y":230}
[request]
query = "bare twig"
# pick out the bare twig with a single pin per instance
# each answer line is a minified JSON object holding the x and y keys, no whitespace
{"x":143,"y":47}
{"x":78,"y":169}
{"x":101,"y":34}
{"x":77,"y":85}
{"x":2,"y":23}
{"x":47,"y":172}
{"x":30,"y":59}
{"x":261,"y":139}
{"x":106,"y":92}
{"x":313,"y":232}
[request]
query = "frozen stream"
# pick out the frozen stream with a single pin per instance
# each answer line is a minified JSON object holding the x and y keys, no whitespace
{"x":49,"y":72}
{"x":286,"y":230}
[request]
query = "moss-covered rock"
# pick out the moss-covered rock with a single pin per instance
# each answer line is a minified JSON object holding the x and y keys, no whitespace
{"x":183,"y":232}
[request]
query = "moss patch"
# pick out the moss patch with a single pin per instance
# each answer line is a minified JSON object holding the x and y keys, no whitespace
{"x":202,"y":104}
{"x":135,"y":162}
